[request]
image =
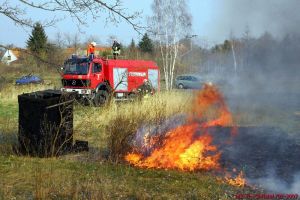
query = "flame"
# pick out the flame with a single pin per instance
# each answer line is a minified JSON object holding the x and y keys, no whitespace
{"x":180,"y":151}
{"x":238,"y":181}
{"x":210,"y":103}
{"x":183,"y":147}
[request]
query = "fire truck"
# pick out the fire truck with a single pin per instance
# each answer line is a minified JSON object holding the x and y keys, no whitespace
{"x":97,"y":79}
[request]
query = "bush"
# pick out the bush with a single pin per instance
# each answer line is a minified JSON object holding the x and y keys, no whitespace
{"x":124,"y":120}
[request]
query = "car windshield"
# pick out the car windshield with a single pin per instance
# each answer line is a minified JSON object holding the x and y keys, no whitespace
{"x":79,"y":68}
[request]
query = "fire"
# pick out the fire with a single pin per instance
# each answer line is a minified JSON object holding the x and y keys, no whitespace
{"x":180,"y":150}
{"x":188,"y":147}
{"x":210,"y":103}
{"x":237,"y":181}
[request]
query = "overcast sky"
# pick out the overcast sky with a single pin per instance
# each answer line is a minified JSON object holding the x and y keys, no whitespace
{"x":213,"y":21}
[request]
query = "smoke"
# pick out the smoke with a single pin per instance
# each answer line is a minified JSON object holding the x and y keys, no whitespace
{"x":274,"y":184}
{"x":268,"y":156}
{"x":147,"y":131}
{"x":278,"y":17}
{"x":266,"y":39}
{"x":267,"y":74}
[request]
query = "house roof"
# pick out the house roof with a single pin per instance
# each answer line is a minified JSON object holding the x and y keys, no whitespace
{"x":11,"y":55}
{"x":16,"y":52}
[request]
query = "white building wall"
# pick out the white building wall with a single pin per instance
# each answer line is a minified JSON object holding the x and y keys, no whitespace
{"x":5,"y":58}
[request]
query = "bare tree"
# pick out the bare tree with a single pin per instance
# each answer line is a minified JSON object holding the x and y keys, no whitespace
{"x":76,"y":41}
{"x":83,"y":11}
{"x":232,"y":45}
{"x":59,"y":41}
{"x":73,"y":41}
{"x":246,"y":39}
{"x":170,"y":22}
{"x":92,"y":38}
{"x":68,"y":39}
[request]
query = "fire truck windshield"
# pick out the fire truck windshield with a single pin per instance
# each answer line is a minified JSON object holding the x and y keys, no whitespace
{"x":76,"y":68}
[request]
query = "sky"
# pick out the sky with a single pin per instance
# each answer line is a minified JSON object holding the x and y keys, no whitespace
{"x":213,"y":21}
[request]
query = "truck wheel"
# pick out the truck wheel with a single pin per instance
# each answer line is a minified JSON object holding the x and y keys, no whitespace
{"x":180,"y":86}
{"x":101,"y":98}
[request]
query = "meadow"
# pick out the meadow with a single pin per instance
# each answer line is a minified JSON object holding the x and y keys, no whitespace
{"x":101,"y":173}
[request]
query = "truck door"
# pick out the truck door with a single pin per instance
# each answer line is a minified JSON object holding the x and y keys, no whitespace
{"x":97,"y":73}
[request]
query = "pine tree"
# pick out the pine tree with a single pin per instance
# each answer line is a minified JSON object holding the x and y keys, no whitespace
{"x":37,"y":42}
{"x":146,"y":44}
{"x":132,"y":45}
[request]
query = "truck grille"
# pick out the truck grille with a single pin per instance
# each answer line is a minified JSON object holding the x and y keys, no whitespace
{"x":76,"y":82}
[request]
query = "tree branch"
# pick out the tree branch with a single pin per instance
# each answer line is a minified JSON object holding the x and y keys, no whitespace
{"x":80,"y":10}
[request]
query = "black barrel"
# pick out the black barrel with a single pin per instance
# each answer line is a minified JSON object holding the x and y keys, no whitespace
{"x":45,"y":123}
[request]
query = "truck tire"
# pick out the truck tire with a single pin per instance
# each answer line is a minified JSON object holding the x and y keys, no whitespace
{"x":101,"y":98}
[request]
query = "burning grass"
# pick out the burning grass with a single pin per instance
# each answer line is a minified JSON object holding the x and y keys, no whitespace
{"x":186,"y":146}
{"x":110,"y":132}
{"x":123,"y":120}
{"x":239,"y":180}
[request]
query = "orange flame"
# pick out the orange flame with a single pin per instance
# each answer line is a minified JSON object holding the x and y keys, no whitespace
{"x":180,"y":151}
{"x":238,"y":181}
{"x":210,"y":106}
{"x":181,"y":147}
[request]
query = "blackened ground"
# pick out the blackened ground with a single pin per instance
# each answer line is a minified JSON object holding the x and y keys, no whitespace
{"x":258,"y":151}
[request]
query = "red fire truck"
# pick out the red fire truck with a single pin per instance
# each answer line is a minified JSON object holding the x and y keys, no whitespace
{"x":98,"y":79}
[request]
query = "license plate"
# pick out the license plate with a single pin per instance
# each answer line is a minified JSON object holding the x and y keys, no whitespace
{"x":120,"y":94}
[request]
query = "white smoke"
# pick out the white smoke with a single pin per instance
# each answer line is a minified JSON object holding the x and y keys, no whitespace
{"x":274,"y":184}
{"x":278,"y":17}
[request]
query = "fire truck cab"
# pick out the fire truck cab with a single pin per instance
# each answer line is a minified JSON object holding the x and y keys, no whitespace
{"x":99,"y":79}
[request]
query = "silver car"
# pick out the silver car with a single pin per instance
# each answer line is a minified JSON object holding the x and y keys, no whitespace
{"x":188,"y":82}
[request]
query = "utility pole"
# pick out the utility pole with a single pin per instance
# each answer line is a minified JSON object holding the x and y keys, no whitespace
{"x":191,"y":49}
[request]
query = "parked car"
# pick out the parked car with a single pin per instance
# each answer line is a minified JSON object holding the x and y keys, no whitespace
{"x":189,"y":82}
{"x":29,"y":79}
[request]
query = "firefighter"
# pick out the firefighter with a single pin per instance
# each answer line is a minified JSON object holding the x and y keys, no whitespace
{"x":145,"y":89}
{"x":91,"y":49}
{"x":116,"y":49}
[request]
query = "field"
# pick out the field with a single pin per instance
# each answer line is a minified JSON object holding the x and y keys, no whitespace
{"x":101,"y":173}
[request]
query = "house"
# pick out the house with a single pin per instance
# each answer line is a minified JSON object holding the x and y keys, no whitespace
{"x":10,"y":55}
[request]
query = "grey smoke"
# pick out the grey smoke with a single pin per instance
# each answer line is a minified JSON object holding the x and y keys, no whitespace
{"x":274,"y":184}
{"x":278,"y":17}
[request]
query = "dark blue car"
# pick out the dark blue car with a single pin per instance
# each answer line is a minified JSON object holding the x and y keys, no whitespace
{"x":29,"y":79}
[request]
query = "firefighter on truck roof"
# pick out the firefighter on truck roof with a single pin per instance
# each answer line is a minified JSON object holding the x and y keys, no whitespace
{"x":116,"y":49}
{"x":91,"y":49}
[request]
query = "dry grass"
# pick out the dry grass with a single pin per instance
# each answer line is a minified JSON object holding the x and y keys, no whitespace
{"x":111,"y":127}
{"x":31,"y":178}
{"x":9,"y":74}
{"x":90,"y":175}
{"x":10,"y":92}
